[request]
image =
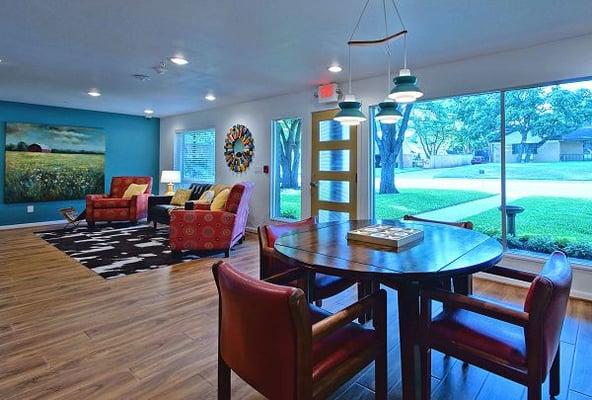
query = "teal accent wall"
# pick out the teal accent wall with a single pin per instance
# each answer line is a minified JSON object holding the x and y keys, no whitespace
{"x":131,"y":142}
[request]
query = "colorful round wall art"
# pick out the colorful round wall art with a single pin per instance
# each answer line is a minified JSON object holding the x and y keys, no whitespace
{"x":239,"y":148}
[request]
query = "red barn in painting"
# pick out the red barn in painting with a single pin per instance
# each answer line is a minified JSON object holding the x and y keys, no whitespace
{"x":38,"y":148}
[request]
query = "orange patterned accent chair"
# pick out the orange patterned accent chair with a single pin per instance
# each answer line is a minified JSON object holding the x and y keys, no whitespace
{"x":112,"y":207}
{"x":205,"y":230}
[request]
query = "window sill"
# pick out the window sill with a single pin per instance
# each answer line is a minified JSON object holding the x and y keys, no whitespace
{"x":540,"y":258}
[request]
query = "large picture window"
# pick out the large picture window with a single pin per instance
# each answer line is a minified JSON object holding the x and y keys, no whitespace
{"x":286,"y":169}
{"x":195,"y":155}
{"x":444,"y":161}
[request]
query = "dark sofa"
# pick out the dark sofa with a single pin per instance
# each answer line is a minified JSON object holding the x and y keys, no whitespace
{"x":159,"y":207}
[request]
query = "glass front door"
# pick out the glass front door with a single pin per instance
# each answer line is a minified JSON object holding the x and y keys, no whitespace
{"x":334,"y":177}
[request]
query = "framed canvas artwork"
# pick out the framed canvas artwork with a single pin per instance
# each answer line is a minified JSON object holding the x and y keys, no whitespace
{"x":46,"y":162}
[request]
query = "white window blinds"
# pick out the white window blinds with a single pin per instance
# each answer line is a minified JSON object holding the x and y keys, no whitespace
{"x":195,"y":155}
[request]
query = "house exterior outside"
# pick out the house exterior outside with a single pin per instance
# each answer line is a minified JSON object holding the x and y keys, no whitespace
{"x":573,"y":146}
{"x":38,"y":148}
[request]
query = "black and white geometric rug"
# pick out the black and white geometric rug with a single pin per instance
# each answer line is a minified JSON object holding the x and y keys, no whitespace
{"x":117,"y":250}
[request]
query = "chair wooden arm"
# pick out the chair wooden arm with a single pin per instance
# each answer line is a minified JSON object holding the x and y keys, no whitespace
{"x":348,"y":314}
{"x":287,"y":276}
{"x":511,"y":273}
{"x":478,"y":306}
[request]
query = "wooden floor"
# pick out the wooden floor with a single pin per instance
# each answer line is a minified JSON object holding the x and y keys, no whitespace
{"x":66,"y":333}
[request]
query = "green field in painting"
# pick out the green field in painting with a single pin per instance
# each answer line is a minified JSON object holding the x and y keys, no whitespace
{"x":52,"y":176}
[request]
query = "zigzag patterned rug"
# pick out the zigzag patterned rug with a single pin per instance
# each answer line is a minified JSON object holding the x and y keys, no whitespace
{"x":117,"y":250}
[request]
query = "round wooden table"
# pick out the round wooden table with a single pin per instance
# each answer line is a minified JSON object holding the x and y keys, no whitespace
{"x":444,"y":252}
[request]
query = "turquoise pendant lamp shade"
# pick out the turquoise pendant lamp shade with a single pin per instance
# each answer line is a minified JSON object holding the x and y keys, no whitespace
{"x":406,"y":89}
{"x":388,"y":113}
{"x":349,"y":113}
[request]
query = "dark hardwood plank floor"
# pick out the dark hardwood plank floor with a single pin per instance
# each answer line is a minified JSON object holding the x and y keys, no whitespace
{"x":66,"y":333}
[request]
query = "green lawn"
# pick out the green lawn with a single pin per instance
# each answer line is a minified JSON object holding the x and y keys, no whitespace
{"x":547,"y":224}
{"x":415,"y":201}
{"x":394,"y":206}
{"x":571,"y":171}
{"x":290,"y":200}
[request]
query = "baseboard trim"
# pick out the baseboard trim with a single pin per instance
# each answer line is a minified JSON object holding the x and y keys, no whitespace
{"x":250,"y":229}
{"x":32,"y":224}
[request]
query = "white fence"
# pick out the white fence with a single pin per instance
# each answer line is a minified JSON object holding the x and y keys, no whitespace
{"x":449,"y":160}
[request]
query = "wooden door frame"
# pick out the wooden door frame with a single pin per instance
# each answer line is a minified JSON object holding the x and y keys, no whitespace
{"x":351,"y":176}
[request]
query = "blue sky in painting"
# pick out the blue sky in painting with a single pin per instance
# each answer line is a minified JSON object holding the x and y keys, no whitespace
{"x":58,"y":137}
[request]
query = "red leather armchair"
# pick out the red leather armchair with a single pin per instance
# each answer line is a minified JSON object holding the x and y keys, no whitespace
{"x":520,"y":345}
{"x":460,"y":284}
{"x":321,"y":286}
{"x":201,"y":230}
{"x":286,"y":349}
{"x":112,"y":207}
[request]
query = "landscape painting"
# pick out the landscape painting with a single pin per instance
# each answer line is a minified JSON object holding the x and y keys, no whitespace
{"x":52,"y":162}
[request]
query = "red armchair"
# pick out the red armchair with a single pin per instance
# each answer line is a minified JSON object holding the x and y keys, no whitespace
{"x":112,"y":207}
{"x":522,"y":346}
{"x":461,"y":284}
{"x":288,"y":350}
{"x":321,"y":286}
{"x":201,"y":230}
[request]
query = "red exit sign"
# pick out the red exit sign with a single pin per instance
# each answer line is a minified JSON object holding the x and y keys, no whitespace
{"x":328,"y":93}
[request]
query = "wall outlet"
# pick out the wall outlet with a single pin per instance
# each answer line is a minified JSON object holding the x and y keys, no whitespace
{"x":30,"y":209}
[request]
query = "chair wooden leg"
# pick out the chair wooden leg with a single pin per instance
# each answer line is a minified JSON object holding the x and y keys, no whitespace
{"x":554,"y":380}
{"x":534,"y":391}
{"x":426,"y":372}
{"x":380,"y":364}
{"x":223,"y":379}
{"x":463,"y":285}
{"x":364,"y":289}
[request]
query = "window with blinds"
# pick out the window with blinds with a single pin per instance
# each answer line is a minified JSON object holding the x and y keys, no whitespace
{"x":195,"y":155}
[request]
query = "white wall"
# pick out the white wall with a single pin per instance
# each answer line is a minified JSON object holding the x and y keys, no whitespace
{"x":559,"y":60}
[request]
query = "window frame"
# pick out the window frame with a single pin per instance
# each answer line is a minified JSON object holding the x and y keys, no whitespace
{"x":176,"y":159}
{"x":503,"y":178}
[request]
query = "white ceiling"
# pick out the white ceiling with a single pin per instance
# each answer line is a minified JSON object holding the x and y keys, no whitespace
{"x":54,"y":51}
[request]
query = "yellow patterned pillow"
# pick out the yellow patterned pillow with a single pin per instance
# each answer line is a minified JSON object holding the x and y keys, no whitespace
{"x":180,"y":197}
{"x":134,"y":190}
{"x":220,"y":200}
{"x":217,"y":188}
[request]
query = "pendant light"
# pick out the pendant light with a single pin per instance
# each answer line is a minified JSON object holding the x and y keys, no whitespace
{"x":406,"y":89}
{"x":350,"y":113}
{"x":388,"y":112}
{"x":349,"y":108}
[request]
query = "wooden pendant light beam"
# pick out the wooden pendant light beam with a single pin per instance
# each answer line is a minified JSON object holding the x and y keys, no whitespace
{"x":376,"y":41}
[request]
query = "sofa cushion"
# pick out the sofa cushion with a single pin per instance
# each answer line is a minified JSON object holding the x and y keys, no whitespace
{"x":180,"y":197}
{"x":110,"y":202}
{"x":197,"y":190}
{"x":134,"y":189}
{"x":219,"y":201}
{"x":164,"y":209}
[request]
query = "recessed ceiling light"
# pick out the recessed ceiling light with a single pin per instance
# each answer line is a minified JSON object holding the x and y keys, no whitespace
{"x":148,"y":111}
{"x":335,"y":68}
{"x":210,"y":97}
{"x":179,"y":60}
{"x":94,"y":93}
